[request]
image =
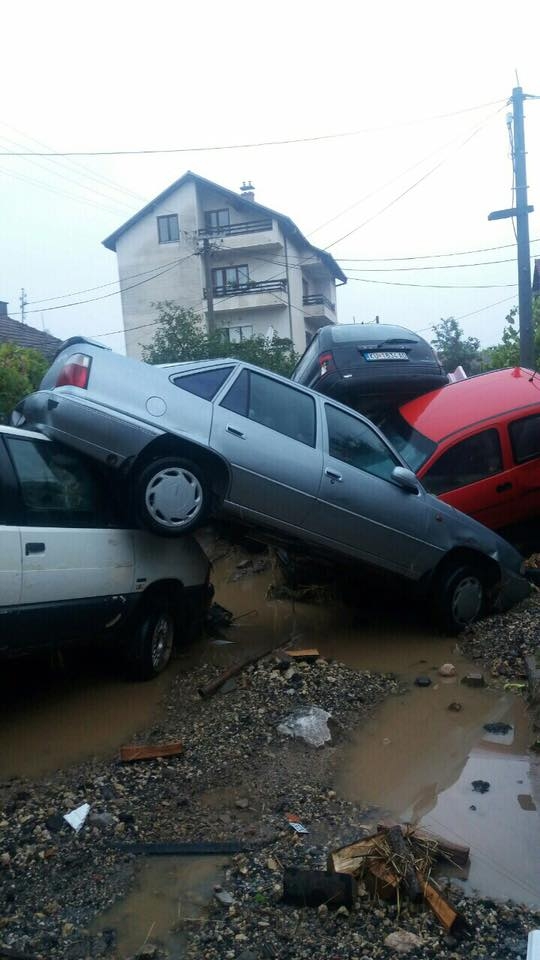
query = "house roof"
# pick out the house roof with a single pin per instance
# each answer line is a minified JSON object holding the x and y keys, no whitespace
{"x":13,"y":331}
{"x":287,"y":224}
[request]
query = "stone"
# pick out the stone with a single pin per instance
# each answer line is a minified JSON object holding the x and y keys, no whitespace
{"x":474,"y":680}
{"x":225,"y":898}
{"x":423,"y":681}
{"x":342,"y":912}
{"x":447,"y":670}
{"x":402,"y":941}
{"x":480,"y":786}
{"x":455,"y":706}
{"x":241,"y":803}
{"x":322,"y":911}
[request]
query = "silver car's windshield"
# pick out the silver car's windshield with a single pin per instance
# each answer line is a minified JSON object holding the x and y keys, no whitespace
{"x":413,"y":446}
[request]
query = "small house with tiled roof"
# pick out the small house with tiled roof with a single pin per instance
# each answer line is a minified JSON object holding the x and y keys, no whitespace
{"x":21,"y":334}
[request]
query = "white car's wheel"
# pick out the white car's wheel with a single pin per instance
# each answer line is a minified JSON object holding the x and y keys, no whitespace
{"x":171,"y":496}
{"x":150,"y":649}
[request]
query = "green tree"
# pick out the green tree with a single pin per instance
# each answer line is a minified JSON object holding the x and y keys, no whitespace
{"x":454,"y":349}
{"x":181,"y":335}
{"x":506,"y":353}
{"x":21,"y":370}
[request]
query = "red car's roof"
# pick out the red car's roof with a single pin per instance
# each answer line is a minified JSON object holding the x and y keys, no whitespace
{"x":458,"y":405}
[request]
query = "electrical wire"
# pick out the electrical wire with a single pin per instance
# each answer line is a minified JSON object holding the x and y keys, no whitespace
{"x":435,"y":266}
{"x":113,"y":293}
{"x":429,"y":256}
{"x":245,"y":146}
{"x":421,"y":179}
{"x":435,"y":286}
{"x":59,"y":193}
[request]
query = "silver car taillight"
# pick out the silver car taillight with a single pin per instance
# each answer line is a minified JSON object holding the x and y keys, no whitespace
{"x":75,"y":372}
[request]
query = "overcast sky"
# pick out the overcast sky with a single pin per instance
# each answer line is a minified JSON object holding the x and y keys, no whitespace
{"x":132,"y":75}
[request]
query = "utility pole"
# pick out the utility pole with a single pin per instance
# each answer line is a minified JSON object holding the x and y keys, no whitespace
{"x":23,"y":304}
{"x":206,"y":254}
{"x":521,"y":213}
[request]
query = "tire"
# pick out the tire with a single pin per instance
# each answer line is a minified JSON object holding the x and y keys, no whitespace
{"x":460,"y":594}
{"x":171,"y":497}
{"x":150,"y":650}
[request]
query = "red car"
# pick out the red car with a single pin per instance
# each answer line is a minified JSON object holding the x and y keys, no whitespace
{"x":476,"y":444}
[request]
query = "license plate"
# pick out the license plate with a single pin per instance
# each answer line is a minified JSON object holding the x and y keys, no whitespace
{"x":386,"y":355}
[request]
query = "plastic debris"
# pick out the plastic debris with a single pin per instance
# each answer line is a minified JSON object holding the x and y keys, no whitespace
{"x":76,"y":817}
{"x":294,"y":822}
{"x":309,"y":724}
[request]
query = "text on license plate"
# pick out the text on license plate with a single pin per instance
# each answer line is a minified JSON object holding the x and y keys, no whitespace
{"x":386,"y":355}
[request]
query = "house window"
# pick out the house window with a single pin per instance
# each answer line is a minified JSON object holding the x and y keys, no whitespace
{"x":236,"y":334}
{"x":226,"y":279}
{"x":215,"y":220}
{"x":168,"y":228}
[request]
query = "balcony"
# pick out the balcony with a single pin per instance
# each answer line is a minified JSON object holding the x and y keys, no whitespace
{"x":251,"y":295}
{"x":262,"y":234}
{"x":318,"y":311}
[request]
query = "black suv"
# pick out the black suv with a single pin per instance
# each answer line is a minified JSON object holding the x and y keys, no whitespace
{"x":369,"y":366}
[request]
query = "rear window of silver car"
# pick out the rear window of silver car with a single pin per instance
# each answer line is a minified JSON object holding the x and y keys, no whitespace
{"x":203,"y":383}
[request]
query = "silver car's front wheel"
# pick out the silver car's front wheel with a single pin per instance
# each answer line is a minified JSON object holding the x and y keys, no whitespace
{"x":460,"y":594}
{"x":171,"y":496}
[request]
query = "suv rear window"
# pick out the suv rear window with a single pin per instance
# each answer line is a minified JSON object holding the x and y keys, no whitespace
{"x":204,"y":383}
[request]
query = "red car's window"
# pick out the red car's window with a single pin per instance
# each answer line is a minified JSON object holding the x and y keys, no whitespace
{"x":466,"y":462}
{"x":525,"y":438}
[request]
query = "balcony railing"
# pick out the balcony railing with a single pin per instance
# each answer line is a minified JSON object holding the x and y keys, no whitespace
{"x":314,"y":299}
{"x":234,"y":229}
{"x":252,"y":286}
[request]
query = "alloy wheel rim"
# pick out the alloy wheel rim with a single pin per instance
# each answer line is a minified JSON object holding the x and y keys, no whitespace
{"x":162,"y":642}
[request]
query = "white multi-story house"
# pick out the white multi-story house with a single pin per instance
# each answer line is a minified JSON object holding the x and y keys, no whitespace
{"x":245,"y":268}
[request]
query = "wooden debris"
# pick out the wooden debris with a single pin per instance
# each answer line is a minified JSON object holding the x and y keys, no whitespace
{"x":405,"y":861}
{"x":308,"y":655}
{"x":398,"y":858}
{"x":233,"y":671}
{"x":150,"y":751}
{"x":310,"y":888}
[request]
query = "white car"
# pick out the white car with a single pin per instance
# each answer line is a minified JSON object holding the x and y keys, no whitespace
{"x":72,"y":570}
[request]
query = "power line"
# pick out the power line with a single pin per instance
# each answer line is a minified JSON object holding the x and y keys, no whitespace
{"x":428,"y":256}
{"x":434,"y":286}
{"x":434,"y":266}
{"x":420,"y":180}
{"x":59,"y":193}
{"x":487,"y":307}
{"x":113,"y":293}
{"x":245,"y":146}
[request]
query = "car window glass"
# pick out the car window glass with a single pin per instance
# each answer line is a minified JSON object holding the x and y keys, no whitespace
{"x":204,"y":383}
{"x":355,"y":442}
{"x":274,"y":405}
{"x":466,"y":462}
{"x":525,"y":438}
{"x":307,"y":359}
{"x":57,"y":487}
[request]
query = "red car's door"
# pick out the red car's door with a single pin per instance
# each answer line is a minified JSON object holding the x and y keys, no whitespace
{"x":474,"y":475}
{"x":524,"y":448}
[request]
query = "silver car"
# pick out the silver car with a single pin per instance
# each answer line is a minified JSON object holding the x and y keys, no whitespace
{"x":223,"y":437}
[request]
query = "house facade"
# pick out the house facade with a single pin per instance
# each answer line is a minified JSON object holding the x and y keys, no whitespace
{"x":244,"y":267}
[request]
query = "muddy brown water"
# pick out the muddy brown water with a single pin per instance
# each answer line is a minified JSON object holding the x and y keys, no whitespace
{"x":414,"y":759}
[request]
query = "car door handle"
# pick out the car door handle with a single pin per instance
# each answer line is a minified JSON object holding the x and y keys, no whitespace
{"x":234,"y":431}
{"x":34,"y":548}
{"x":334,"y":475}
{"x":502,"y":487}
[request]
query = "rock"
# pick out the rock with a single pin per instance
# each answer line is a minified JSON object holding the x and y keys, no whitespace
{"x":498,"y":728}
{"x":480,"y":786}
{"x":447,"y":670}
{"x":342,"y":912}
{"x":474,"y":680}
{"x":55,"y":822}
{"x":423,"y":681}
{"x":402,"y":941}
{"x":322,"y":911}
{"x":5,"y":859}
{"x":225,"y":898}
{"x":102,"y":819}
{"x":145,"y":952}
{"x":455,"y":706}
{"x":242,"y":803}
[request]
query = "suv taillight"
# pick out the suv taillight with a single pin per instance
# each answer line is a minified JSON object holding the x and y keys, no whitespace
{"x":326,"y":363}
{"x":75,"y":372}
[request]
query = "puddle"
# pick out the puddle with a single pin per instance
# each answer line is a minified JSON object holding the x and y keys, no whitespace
{"x":169,"y":895}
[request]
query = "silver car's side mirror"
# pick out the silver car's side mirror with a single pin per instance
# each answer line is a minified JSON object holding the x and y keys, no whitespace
{"x":405,"y":478}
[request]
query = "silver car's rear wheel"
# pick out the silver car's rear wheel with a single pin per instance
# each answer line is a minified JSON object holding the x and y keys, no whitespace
{"x":171,"y":497}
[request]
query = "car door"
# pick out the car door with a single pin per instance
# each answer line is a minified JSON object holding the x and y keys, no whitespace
{"x":472,"y":476}
{"x":267,"y":430}
{"x":360,"y":508}
{"x":524,"y":434}
{"x":10,"y":553}
{"x":77,"y":568}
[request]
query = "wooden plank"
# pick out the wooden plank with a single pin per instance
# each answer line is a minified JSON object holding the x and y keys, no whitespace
{"x":384,"y":882}
{"x":150,"y":751}
{"x":309,"y":654}
{"x":450,"y":919}
{"x":352,"y":858}
{"x":442,"y":848}
{"x":405,"y":863}
{"x":215,"y":685}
